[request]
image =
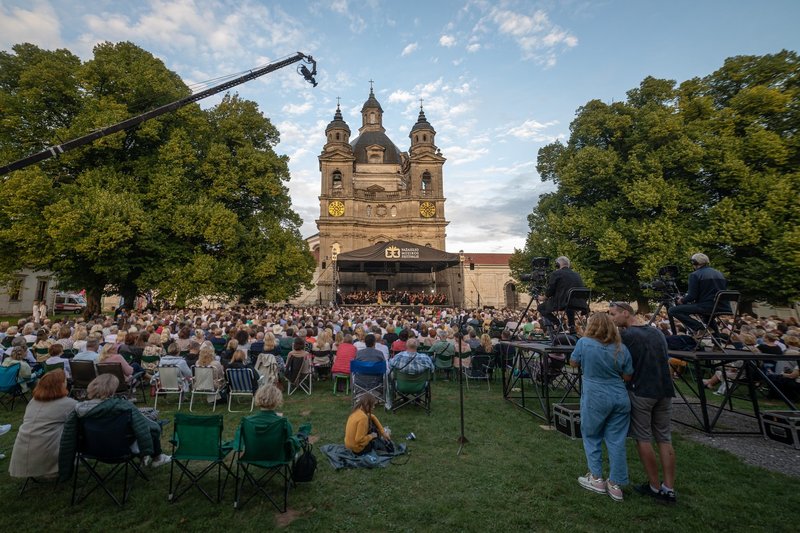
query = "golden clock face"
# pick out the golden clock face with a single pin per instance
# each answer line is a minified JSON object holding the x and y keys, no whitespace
{"x":336,"y":208}
{"x":427,"y":209}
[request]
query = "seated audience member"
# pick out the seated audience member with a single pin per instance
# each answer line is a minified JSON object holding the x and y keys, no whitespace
{"x":442,"y":346}
{"x":174,"y":359}
{"x":463,"y":351}
{"x":240,"y":360}
{"x":472,"y":340}
{"x":193,"y":353}
{"x":298,"y":361}
{"x":363,"y":427}
{"x":227,"y":354}
{"x":370,"y":354}
{"x":17,"y":357}
{"x":109,"y":355}
{"x":269,"y":398}
{"x":207,"y":359}
{"x":345,"y":353}
{"x":19,"y":341}
{"x":410,"y":361}
{"x":102,"y":403}
{"x":55,"y":353}
{"x":90,"y":353}
{"x":65,"y":337}
{"x":400,"y":344}
{"x":43,"y":342}
{"x":36,"y":447}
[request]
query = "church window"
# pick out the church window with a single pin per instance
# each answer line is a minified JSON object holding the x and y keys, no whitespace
{"x":416,"y":138}
{"x":424,"y":138}
{"x":426,"y":181}
{"x":372,"y":118}
{"x":337,"y":135}
{"x":393,"y":211}
{"x":337,"y":180}
{"x":369,"y":210}
{"x":428,"y":244}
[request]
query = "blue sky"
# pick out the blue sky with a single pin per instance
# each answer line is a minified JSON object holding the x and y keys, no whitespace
{"x":499,"y":79}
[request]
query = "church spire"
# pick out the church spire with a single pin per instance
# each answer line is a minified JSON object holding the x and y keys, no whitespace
{"x":372,"y":112}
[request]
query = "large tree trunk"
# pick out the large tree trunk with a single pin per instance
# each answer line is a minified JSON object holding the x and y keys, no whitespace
{"x":93,"y":307}
{"x":128,"y":293}
{"x":642,"y":305}
{"x":746,"y":307}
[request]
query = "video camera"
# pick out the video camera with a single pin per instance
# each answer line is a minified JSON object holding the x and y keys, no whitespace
{"x":537,"y":277}
{"x":665,"y":284}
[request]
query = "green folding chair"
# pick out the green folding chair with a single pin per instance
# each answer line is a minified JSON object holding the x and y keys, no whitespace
{"x":267,"y":446}
{"x":199,"y":439}
{"x":411,"y":389}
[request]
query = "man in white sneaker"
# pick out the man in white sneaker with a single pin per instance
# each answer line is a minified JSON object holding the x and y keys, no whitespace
{"x":651,"y":392}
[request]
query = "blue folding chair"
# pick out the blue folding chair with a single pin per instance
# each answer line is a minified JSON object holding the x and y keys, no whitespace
{"x":368,"y":377}
{"x":240,"y":383}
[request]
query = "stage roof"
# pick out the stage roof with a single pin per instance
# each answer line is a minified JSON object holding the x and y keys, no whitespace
{"x":395,"y":256}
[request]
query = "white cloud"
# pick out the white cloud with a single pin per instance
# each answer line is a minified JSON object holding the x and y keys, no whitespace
{"x":537,"y":36}
{"x":447,"y":41}
{"x":460,"y":155}
{"x":409,"y":49}
{"x":38,"y":24}
{"x":298,"y":109}
{"x":532,"y":130}
{"x":401,"y":96}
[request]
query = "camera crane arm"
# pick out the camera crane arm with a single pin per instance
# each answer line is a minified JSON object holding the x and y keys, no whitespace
{"x":59,"y":149}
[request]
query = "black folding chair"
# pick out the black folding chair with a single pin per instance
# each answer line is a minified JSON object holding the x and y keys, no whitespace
{"x":105,"y":440}
{"x":83,"y":372}
{"x":726,"y":303}
{"x":125,"y":388}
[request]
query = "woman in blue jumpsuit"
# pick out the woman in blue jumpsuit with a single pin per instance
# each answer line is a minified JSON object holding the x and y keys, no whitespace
{"x":605,"y":408}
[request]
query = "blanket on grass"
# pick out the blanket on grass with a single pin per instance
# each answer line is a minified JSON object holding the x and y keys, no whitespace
{"x":340,"y":457}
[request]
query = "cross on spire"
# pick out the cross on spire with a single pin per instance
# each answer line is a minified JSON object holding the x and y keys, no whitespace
{"x":338,"y":101}
{"x":420,"y":104}
{"x":370,"y":85}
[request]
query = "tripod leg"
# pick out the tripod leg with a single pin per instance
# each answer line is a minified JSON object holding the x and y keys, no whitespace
{"x":523,"y":315}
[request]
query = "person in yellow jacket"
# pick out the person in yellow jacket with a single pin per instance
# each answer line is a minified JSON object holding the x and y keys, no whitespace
{"x":363,"y":427}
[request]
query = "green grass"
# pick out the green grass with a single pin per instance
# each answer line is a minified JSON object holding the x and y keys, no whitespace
{"x":512,"y":476}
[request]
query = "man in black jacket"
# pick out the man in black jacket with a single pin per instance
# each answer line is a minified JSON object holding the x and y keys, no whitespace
{"x":556,"y":296}
{"x":704,"y":284}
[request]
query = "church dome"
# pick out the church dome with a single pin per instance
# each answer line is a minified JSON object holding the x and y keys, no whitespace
{"x":372,"y":102}
{"x":338,"y":122}
{"x":391,"y":154}
{"x":422,"y":122}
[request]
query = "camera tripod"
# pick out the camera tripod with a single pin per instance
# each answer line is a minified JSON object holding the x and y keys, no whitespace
{"x":664,"y":303}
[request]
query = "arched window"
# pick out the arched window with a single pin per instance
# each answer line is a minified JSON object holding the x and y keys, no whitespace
{"x":393,"y":211}
{"x":369,"y":210}
{"x":416,"y":138}
{"x":426,"y":181}
{"x":424,"y":138}
{"x":337,"y":179}
{"x":337,"y":135}
{"x":372,"y":118}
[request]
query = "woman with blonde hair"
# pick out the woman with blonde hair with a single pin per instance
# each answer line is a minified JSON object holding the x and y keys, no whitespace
{"x":206,"y":358}
{"x":109,"y":354}
{"x":605,"y":407}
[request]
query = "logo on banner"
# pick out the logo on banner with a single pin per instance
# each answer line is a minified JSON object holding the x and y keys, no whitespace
{"x":392,"y":252}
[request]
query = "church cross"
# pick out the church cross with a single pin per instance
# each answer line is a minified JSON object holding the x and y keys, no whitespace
{"x":370,"y":85}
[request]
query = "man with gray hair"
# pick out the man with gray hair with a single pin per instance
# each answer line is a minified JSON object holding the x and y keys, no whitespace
{"x":704,"y":284}
{"x":556,"y":296}
{"x":91,"y":351}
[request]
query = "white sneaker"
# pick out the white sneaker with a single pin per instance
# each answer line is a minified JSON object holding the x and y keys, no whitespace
{"x":161,"y":460}
{"x":5,"y":428}
{"x":594,"y":484}
{"x":614,"y":491}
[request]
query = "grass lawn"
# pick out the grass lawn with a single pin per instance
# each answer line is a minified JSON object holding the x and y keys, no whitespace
{"x":512,"y":476}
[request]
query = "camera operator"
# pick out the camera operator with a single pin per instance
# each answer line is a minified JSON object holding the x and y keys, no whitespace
{"x":704,"y":284}
{"x":556,"y":296}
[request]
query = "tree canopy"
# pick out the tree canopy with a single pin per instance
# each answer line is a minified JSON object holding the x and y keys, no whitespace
{"x":711,"y":165}
{"x":190,"y":204}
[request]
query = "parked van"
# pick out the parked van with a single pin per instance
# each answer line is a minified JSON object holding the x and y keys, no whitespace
{"x":70,"y":303}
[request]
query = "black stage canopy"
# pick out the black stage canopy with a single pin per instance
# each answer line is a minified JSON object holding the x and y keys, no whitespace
{"x":396,"y":256}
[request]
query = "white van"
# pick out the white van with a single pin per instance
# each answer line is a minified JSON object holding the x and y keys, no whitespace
{"x":70,"y":303}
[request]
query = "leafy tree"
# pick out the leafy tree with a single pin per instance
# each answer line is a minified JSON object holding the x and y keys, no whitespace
{"x":190,"y":204}
{"x":711,"y":165}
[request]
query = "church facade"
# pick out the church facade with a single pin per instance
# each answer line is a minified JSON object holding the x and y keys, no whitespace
{"x":372,"y":193}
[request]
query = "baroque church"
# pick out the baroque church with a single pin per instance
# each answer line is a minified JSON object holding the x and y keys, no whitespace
{"x":382,"y":224}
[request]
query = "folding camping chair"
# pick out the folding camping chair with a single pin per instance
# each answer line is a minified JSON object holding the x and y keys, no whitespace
{"x":105,"y":440}
{"x":726,"y":303}
{"x":299,"y":375}
{"x":265,"y":445}
{"x":478,"y":369}
{"x":198,"y":438}
{"x":169,"y":382}
{"x":10,"y":389}
{"x":83,"y":372}
{"x":240,"y":383}
{"x":126,"y":389}
{"x":203,"y":383}
{"x":411,"y":389}
{"x":368,"y":378}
